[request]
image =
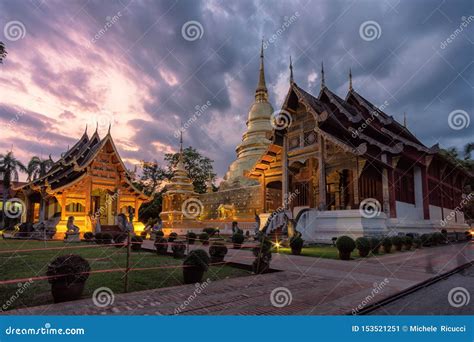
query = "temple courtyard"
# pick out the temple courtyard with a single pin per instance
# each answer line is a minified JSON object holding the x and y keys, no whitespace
{"x":301,"y":285}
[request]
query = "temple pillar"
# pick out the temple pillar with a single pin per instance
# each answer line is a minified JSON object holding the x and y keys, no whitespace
{"x":322,"y":173}
{"x":284,"y":169}
{"x":426,"y":197}
{"x":385,"y":188}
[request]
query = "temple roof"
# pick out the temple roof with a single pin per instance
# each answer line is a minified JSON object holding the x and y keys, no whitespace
{"x":73,"y":165}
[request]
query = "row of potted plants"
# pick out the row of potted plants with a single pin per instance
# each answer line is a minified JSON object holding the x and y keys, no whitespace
{"x":365,"y":245}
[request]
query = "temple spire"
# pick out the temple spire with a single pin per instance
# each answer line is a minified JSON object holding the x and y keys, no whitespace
{"x":110,"y":126}
{"x":405,"y":119}
{"x":180,"y":165}
{"x":291,"y":71}
{"x":261,"y":93}
{"x":323,"y":85}
{"x":350,"y":79}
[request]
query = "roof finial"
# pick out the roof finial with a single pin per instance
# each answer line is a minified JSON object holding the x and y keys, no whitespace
{"x":181,"y":142}
{"x":97,"y":126}
{"x":291,"y":71}
{"x":85,"y":131}
{"x":405,"y":119}
{"x":261,"y":93}
{"x":110,"y":126}
{"x":322,"y":76}
{"x":350,"y":79}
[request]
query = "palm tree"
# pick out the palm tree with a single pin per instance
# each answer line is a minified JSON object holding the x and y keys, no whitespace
{"x":38,"y":168}
{"x":3,"y":52}
{"x":9,"y":171}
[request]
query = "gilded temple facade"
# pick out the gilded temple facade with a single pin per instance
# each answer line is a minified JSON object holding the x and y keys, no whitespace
{"x":89,"y":182}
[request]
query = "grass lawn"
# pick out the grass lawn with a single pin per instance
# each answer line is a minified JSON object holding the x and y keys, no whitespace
{"x":17,"y":265}
{"x":324,"y":251}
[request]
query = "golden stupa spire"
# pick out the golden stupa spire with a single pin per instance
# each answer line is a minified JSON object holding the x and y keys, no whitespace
{"x":350,"y":79}
{"x":180,"y":165}
{"x":261,"y":93}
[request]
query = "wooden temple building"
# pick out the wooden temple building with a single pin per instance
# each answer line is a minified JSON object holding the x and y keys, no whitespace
{"x":345,"y":166}
{"x":89,"y":182}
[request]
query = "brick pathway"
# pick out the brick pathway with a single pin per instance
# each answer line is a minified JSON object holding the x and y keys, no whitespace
{"x":317,"y":286}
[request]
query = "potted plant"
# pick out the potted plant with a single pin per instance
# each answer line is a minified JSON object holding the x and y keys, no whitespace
{"x":426,"y":240}
{"x":435,"y":239}
{"x":160,"y":234}
{"x":375,"y":245}
{"x":211,"y":231}
{"x":178,"y":248}
{"x":238,"y":240}
{"x":441,"y":239}
{"x":191,"y":237}
{"x":387,"y":245}
{"x":195,"y":264}
{"x":363,"y":245}
{"x":345,"y":244}
{"x":204,"y":238}
{"x":173,"y":236}
{"x":296,"y":244}
{"x":136,"y":242}
{"x":161,"y":245}
{"x":408,"y":242}
{"x":397,"y":241}
{"x":89,"y":236}
{"x":68,"y":275}
{"x":263,"y":256}
{"x":417,"y":242}
{"x":217,"y":251}
{"x":120,"y":239}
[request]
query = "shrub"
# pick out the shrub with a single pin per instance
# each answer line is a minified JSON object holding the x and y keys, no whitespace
{"x":363,"y":245}
{"x":426,"y":240}
{"x":191,"y":237}
{"x":68,"y":269}
{"x":468,"y":235}
{"x":89,"y":236}
{"x":178,"y":248}
{"x":204,"y":238}
{"x":397,"y":241}
{"x":198,"y":258}
{"x":103,"y":238}
{"x":408,"y":241}
{"x":440,"y":238}
{"x":173,"y":236}
{"x":374,"y":245}
{"x":211,"y":231}
{"x":296,"y":244}
{"x":345,"y":245}
{"x":417,"y":242}
{"x":160,"y":233}
{"x":120,"y":239}
{"x":387,"y":244}
{"x":161,"y":245}
{"x":218,"y":251}
{"x":136,"y":242}
{"x":238,"y":239}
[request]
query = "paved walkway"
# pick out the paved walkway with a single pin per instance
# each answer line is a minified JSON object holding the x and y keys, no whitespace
{"x":316,"y":286}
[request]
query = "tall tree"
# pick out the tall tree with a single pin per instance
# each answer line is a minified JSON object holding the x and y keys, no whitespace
{"x":9,"y":171}
{"x":38,"y":168}
{"x":3,"y":52}
{"x":199,"y":167}
{"x":152,"y":176}
{"x":468,"y":149}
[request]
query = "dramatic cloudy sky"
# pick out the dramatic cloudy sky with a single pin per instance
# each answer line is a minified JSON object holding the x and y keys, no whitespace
{"x":72,"y":63}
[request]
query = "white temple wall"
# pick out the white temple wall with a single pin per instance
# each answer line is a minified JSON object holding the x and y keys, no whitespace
{"x":408,"y":211}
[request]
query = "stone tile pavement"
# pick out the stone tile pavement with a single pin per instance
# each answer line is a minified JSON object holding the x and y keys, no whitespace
{"x":312,"y":286}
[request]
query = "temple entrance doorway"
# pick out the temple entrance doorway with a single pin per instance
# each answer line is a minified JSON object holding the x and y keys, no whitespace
{"x":104,"y":205}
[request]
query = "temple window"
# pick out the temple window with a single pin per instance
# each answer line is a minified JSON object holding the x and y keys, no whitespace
{"x":75,"y":208}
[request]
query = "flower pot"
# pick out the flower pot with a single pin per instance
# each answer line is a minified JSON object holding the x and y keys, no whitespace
{"x":63,"y":292}
{"x":178,"y":254}
{"x":364,"y":252}
{"x":296,"y":250}
{"x":344,"y":255}
{"x":192,"y":274}
{"x":387,"y":249}
{"x":376,"y":250}
{"x":216,"y":259}
{"x":260,"y":267}
{"x":407,"y":247}
{"x":398,"y":248}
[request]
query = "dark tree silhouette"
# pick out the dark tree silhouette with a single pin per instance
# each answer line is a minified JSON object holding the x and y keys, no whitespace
{"x":3,"y":52}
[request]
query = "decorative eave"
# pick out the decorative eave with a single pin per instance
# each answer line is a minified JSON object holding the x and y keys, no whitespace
{"x":380,"y":114}
{"x":407,"y":142}
{"x":335,"y":101}
{"x":359,"y":150}
{"x":396,"y":149}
